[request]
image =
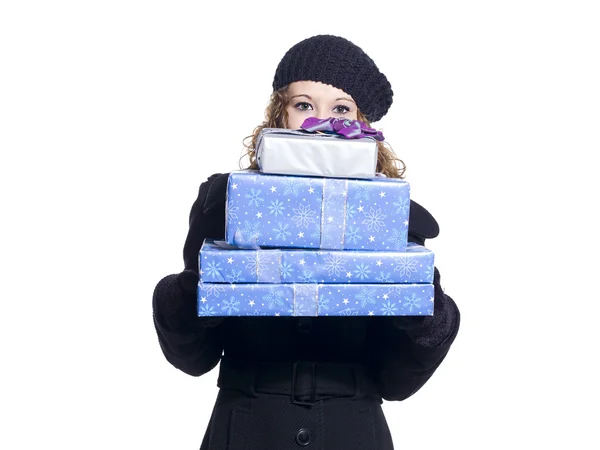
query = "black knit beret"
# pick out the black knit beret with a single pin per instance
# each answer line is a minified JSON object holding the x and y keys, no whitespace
{"x":337,"y":61}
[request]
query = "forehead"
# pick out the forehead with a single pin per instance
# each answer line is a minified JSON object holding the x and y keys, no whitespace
{"x":315,"y":89}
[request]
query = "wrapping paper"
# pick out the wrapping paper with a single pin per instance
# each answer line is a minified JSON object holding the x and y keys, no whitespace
{"x":291,"y":152}
{"x":286,"y":211}
{"x":253,"y":299}
{"x":221,"y":263}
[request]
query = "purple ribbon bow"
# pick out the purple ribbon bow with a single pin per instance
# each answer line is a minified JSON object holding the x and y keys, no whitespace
{"x":350,"y":129}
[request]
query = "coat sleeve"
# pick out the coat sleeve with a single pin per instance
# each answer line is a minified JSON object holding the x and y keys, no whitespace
{"x":406,"y":351}
{"x":190,"y":343}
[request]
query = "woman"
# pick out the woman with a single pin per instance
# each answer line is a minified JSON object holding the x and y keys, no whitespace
{"x":288,"y":381}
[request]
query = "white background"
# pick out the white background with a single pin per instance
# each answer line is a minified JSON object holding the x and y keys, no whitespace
{"x":112,"y":113}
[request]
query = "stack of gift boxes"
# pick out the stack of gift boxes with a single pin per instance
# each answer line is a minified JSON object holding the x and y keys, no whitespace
{"x":304,"y":244}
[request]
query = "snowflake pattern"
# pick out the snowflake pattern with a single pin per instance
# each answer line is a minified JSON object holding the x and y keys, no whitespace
{"x":428,"y":272}
{"x":350,"y":211}
{"x":282,"y":230}
{"x":411,"y":302}
{"x":303,"y":216}
{"x":383,"y":277}
{"x":374,"y":219}
{"x":317,"y":299}
{"x":273,"y":298}
{"x":362,"y":271}
{"x":234,"y":276}
{"x":230,"y":306}
{"x":212,"y":270}
{"x":402,"y":205}
{"x":251,"y":229}
{"x":307,"y":277}
{"x":276,"y":208}
{"x":232,"y":211}
{"x":335,"y":264}
{"x":398,"y":237}
{"x":405,"y":266}
{"x":353,"y":235}
{"x":366,"y":296}
{"x":252,"y":264}
{"x":324,"y":304}
{"x":388,"y":309}
{"x":362,"y":191}
{"x":286,"y":269}
{"x":292,"y":186}
{"x":206,"y":310}
{"x":213,"y":289}
{"x":254,"y":197}
{"x":357,"y":214}
{"x":283,"y":265}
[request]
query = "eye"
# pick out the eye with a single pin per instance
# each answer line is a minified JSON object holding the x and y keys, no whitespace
{"x":341,"y":109}
{"x":303,"y":106}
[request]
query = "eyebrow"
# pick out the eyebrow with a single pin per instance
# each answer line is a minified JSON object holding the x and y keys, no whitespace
{"x":337,"y":99}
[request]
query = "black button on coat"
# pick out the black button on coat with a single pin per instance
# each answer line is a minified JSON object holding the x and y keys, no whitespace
{"x":398,"y":354}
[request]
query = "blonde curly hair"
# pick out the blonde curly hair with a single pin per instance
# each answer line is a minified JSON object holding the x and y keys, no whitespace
{"x":276,"y":117}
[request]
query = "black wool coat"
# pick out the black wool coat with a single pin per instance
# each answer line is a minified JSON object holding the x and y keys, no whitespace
{"x":357,"y":362}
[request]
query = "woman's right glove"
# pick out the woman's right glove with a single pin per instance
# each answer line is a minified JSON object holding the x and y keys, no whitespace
{"x":175,"y":305}
{"x":175,"y":296}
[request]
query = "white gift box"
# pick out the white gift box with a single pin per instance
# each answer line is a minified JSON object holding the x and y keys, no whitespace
{"x":293,"y":152}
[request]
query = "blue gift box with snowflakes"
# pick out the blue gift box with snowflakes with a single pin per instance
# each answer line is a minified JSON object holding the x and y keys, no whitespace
{"x":255,"y":299}
{"x":284,"y":211}
{"x":220,"y":262}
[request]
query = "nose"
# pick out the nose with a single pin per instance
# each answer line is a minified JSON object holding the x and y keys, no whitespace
{"x":321,"y":112}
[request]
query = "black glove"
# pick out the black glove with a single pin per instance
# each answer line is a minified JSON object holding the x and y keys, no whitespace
{"x":175,"y":304}
{"x":421,"y":224}
{"x":207,"y":218}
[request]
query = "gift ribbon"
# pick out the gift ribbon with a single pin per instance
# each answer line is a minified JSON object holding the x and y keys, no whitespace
{"x":333,"y":208}
{"x":347,"y":128}
{"x":245,"y":241}
{"x":306,"y":299}
{"x":268,"y":266}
